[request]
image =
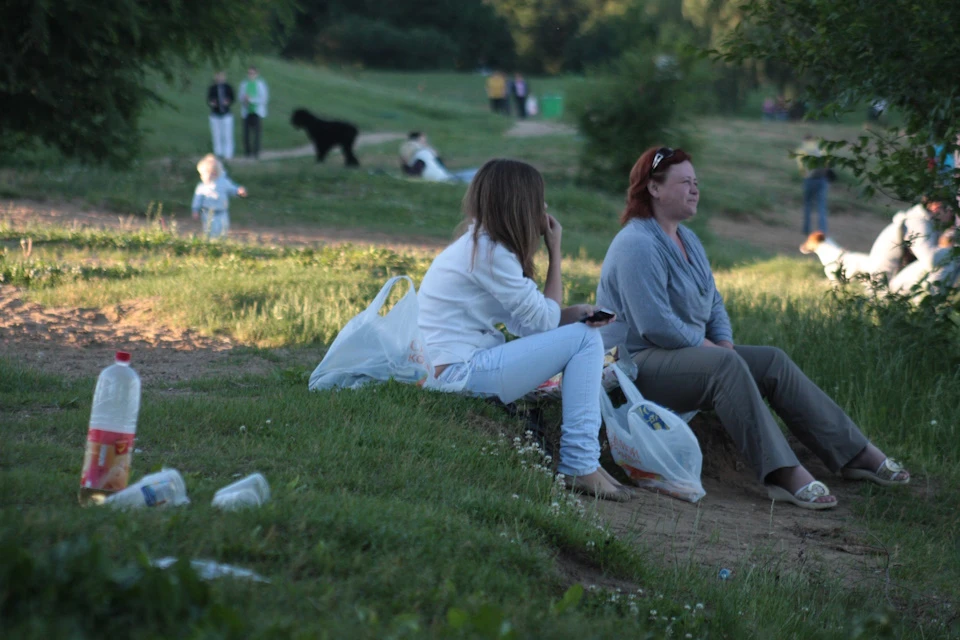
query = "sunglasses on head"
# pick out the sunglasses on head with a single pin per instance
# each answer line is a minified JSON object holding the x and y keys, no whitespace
{"x":663,"y":153}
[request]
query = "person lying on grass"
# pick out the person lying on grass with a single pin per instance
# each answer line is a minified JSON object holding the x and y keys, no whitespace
{"x":486,"y":277}
{"x":672,"y":319}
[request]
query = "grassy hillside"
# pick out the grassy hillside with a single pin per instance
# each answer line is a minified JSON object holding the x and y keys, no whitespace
{"x":397,"y":509}
{"x":397,"y":512}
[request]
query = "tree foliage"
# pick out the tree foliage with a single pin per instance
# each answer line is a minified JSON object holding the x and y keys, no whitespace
{"x":851,"y":53}
{"x":401,"y":34}
{"x":75,"y":74}
{"x":622,"y":109}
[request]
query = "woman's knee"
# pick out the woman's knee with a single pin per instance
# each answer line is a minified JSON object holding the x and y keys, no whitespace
{"x":587,"y":338}
{"x":730,"y":370}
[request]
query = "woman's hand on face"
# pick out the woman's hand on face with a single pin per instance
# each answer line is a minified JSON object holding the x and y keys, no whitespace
{"x":552,"y":235}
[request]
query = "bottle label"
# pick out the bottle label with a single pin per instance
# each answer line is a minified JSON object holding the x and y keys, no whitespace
{"x":106,"y":465}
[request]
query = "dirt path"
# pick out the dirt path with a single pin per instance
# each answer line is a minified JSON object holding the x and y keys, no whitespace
{"x":363,"y":140}
{"x":21,"y":214}
{"x":855,"y":232}
{"x":520,"y":129}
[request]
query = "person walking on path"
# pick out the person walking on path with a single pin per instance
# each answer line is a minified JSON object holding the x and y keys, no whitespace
{"x":520,"y":90}
{"x":254,"y":96}
{"x":815,"y":185}
{"x":220,"y":100}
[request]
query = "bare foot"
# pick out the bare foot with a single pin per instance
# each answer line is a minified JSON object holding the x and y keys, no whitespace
{"x":596,"y":484}
{"x":609,"y":478}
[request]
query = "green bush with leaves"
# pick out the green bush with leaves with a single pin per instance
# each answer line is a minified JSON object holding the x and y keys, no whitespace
{"x":75,"y":590}
{"x":77,"y":76}
{"x":637,"y":102}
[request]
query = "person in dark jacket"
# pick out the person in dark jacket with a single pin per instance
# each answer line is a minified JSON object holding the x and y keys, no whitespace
{"x":220,"y":100}
{"x":520,"y":90}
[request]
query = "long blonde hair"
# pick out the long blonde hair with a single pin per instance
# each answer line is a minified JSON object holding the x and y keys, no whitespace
{"x":505,"y":200}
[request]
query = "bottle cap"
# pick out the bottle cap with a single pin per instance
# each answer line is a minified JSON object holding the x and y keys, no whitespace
{"x":123,"y":356}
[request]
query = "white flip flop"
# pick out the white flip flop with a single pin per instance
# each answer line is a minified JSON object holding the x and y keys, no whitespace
{"x":884,"y":475}
{"x":804,"y":497}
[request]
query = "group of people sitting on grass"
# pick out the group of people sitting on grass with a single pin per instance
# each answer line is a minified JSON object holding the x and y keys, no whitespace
{"x":668,"y":313}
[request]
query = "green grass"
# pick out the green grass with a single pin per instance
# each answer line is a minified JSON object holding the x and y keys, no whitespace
{"x":392,"y":516}
{"x":394,"y":506}
{"x":744,"y":166}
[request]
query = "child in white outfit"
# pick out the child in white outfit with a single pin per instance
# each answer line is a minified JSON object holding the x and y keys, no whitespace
{"x":211,"y":198}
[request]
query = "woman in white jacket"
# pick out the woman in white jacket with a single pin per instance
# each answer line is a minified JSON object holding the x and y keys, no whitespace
{"x":486,"y":277}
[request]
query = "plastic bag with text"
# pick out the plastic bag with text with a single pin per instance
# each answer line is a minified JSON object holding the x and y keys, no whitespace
{"x":652,"y":444}
{"x":376,"y":347}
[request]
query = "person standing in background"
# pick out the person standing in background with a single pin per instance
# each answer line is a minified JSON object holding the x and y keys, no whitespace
{"x":497,"y":93}
{"x":220,"y":100}
{"x":815,"y":184}
{"x":254,"y":96}
{"x":520,"y":90}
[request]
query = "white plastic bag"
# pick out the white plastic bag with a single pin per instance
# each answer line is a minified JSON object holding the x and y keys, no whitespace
{"x":375,"y":347}
{"x":532,"y":107}
{"x":652,"y":444}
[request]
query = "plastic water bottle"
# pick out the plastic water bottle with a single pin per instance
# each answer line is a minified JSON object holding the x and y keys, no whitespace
{"x":251,"y":491}
{"x":113,"y":423}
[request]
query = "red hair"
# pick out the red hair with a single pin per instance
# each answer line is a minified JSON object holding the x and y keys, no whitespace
{"x":639,"y":201}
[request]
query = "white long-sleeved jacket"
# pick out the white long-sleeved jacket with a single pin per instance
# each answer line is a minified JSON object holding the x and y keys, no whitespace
{"x":462,"y":300}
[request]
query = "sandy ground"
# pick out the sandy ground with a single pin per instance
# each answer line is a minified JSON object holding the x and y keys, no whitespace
{"x":855,"y":232}
{"x":363,"y":140}
{"x":520,"y":129}
{"x":23,"y":213}
{"x":734,"y":526}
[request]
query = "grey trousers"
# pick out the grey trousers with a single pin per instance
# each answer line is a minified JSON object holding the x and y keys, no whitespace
{"x":734,"y":385}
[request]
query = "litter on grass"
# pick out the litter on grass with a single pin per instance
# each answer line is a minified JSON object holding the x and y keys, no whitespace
{"x":210,"y":570}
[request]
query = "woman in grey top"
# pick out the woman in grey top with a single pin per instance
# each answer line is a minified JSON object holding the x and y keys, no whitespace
{"x":671,"y":318}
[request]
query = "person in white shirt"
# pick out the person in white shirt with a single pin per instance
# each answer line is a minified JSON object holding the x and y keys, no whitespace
{"x":419,"y":159}
{"x":485,"y":278}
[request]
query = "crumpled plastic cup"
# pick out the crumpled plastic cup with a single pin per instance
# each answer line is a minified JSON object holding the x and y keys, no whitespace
{"x":251,"y":491}
{"x":162,"y":489}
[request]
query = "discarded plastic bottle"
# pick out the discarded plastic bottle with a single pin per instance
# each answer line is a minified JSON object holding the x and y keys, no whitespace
{"x":251,"y":491}
{"x":113,"y":424}
{"x":162,"y":489}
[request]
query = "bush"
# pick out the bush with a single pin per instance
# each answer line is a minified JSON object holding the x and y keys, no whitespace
{"x":621,"y":110}
{"x":74,"y":590}
{"x":378,"y":44}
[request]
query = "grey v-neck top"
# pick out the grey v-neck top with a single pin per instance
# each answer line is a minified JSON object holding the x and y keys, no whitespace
{"x":661,"y":299}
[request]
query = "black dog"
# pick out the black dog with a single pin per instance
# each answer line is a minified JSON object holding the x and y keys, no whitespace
{"x":326,"y":134}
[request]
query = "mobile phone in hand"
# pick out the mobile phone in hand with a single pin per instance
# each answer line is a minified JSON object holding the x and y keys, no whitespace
{"x":600,"y":315}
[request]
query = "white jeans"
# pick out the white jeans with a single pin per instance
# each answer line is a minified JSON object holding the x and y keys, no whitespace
{"x":221,"y":128}
{"x":514,"y":369}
